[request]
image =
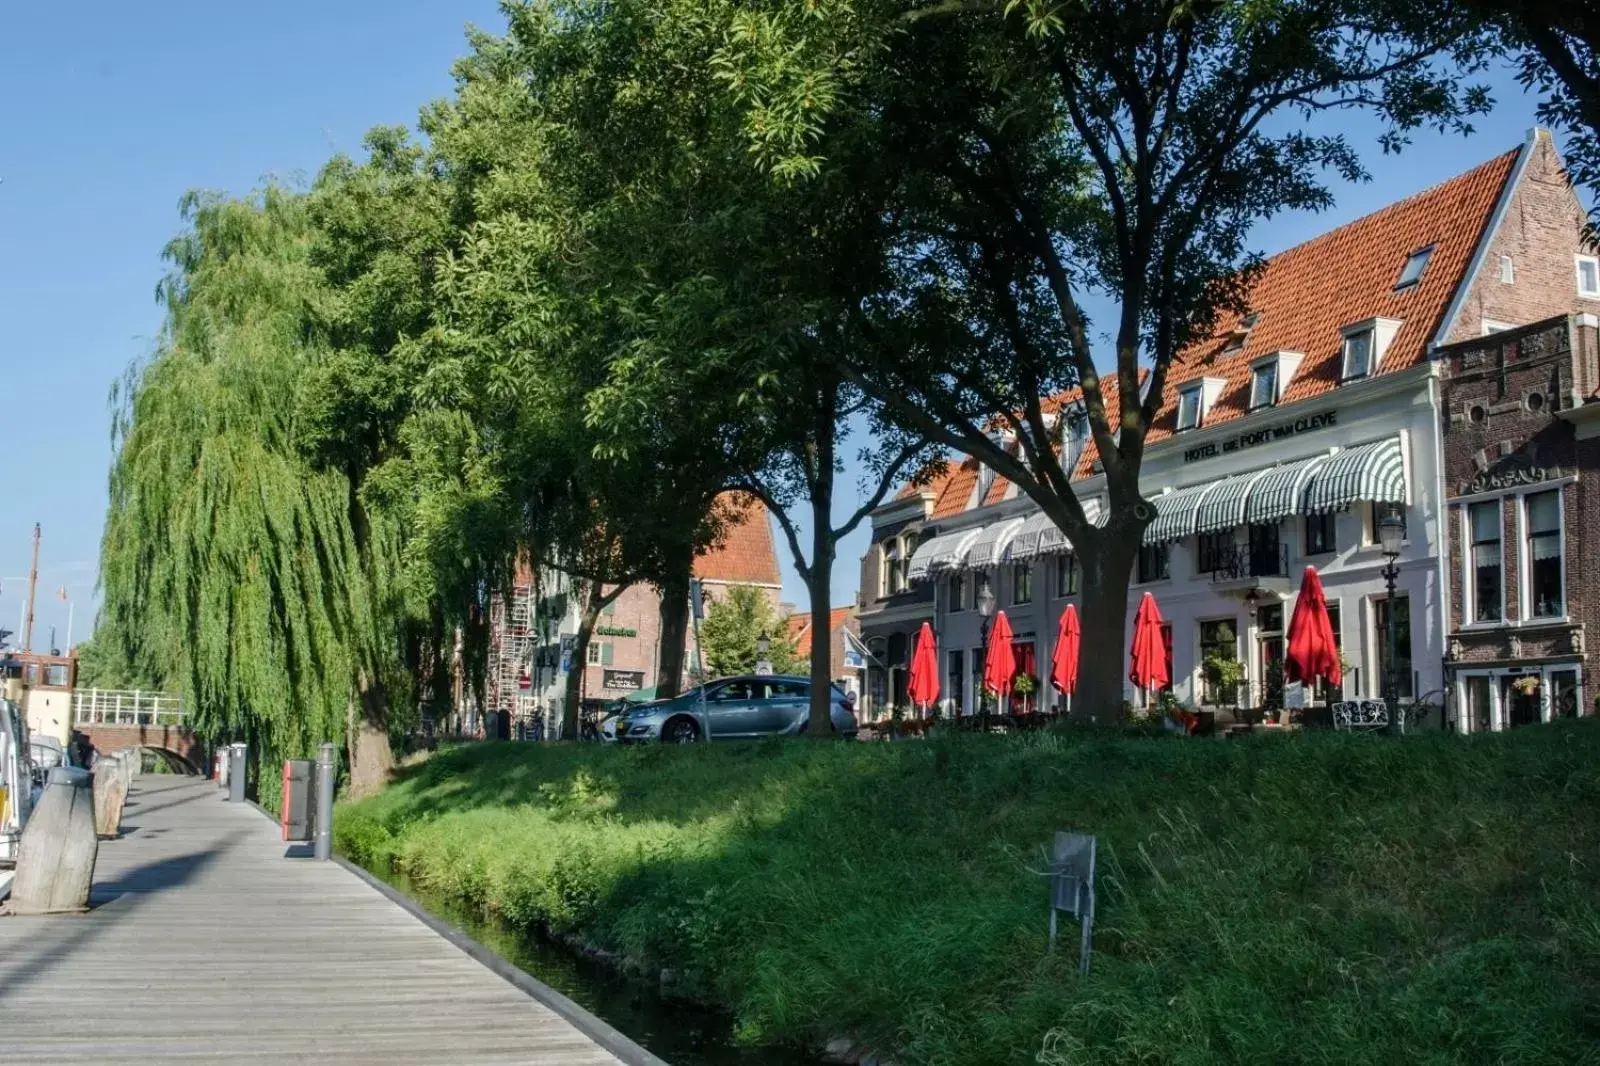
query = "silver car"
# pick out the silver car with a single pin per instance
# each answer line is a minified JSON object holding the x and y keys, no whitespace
{"x":735,"y":708}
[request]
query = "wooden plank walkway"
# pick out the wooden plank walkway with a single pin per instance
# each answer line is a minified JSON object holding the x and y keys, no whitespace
{"x":205,"y":943}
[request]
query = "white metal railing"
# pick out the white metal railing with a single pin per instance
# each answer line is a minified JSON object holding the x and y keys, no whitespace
{"x":101,"y":706}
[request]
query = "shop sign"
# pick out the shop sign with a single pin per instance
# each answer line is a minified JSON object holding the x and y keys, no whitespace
{"x":628,"y":680}
{"x":615,"y":631}
{"x":1257,"y":437}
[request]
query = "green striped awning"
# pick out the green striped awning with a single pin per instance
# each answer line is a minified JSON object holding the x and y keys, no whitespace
{"x":948,"y":551}
{"x":1175,"y":513}
{"x":1375,"y":471}
{"x":989,"y":549}
{"x":1281,"y":491}
{"x":1040,"y":535}
{"x":1224,"y":507}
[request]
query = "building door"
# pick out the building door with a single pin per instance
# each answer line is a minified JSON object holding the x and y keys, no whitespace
{"x":1522,"y":707}
{"x":1269,"y":653}
{"x":1480,"y":704}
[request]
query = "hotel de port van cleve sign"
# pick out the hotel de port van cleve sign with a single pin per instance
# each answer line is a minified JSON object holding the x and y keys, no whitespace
{"x":1257,"y":437}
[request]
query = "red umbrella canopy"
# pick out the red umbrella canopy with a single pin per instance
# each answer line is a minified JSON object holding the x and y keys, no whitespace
{"x":1064,"y":660}
{"x":1312,"y":652}
{"x":1149,"y":652}
{"x":1000,"y":664}
{"x":923,"y":685}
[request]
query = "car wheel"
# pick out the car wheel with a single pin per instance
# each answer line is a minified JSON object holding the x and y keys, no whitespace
{"x":680,"y":731}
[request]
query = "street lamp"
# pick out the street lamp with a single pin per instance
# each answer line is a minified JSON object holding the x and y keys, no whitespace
{"x":763,"y":642}
{"x":1391,"y":531}
{"x":986,"y":605}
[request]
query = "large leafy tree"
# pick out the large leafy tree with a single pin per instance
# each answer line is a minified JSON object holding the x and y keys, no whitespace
{"x":730,"y":635}
{"x":229,"y":564}
{"x":1045,"y":151}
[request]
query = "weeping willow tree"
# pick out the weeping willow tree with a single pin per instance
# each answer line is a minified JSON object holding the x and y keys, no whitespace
{"x":230,"y":565}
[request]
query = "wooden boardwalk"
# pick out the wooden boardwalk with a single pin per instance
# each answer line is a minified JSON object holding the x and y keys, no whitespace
{"x":206,"y":944}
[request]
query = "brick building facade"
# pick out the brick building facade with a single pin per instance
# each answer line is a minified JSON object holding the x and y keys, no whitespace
{"x":1524,"y":594}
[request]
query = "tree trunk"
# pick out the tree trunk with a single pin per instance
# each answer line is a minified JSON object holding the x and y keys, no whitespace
{"x":592,"y":602}
{"x":819,"y":584}
{"x":371,"y":756}
{"x":674,"y":617}
{"x":1107,"y":565}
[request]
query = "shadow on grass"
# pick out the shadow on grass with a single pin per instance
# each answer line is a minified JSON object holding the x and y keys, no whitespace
{"x":1285,"y":899}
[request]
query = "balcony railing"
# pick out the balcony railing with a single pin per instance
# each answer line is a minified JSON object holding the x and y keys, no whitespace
{"x":99,"y":706}
{"x":1247,"y":561}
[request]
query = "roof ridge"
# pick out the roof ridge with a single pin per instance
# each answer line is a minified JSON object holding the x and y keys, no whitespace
{"x":1397,"y":205}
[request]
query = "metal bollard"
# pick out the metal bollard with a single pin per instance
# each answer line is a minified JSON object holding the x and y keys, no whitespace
{"x":236,"y":772}
{"x":324,"y":839}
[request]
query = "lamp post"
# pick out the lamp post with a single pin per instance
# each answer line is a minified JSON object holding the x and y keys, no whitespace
{"x":1391,"y":531}
{"x":763,"y":664}
{"x":986,"y":604}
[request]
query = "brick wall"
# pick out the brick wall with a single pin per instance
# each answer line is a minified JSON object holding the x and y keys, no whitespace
{"x":1541,"y":232}
{"x":1503,"y":439}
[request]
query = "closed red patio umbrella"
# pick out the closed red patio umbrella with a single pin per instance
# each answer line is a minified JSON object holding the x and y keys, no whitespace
{"x":1312,"y":652}
{"x":1064,"y":659}
{"x":1149,"y":670}
{"x":923,"y":684}
{"x":1000,"y":662}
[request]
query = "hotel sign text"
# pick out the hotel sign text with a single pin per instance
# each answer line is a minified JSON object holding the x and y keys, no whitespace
{"x":1261,"y":436}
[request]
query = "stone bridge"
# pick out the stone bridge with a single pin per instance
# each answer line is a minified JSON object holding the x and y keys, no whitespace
{"x":114,"y":720}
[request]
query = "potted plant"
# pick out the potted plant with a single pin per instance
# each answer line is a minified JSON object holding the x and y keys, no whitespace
{"x":1224,"y":673}
{"x":1025,"y":686}
{"x":1528,"y":684}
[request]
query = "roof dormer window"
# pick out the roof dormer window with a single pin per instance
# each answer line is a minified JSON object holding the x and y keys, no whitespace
{"x":1415,"y":264}
{"x":1189,"y":402}
{"x":1264,"y":384}
{"x":1364,"y":345}
{"x":1241,"y":331}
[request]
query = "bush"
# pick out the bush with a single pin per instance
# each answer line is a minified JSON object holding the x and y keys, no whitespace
{"x":1285,"y":899}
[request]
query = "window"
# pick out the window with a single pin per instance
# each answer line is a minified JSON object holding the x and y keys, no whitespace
{"x":1589,"y":277}
{"x":1320,"y":539}
{"x":1564,"y":694}
{"x":1416,"y":263}
{"x":957,"y":680}
{"x":1402,"y":642}
{"x":1375,"y":514}
{"x":594,"y":652}
{"x":1067,"y":575}
{"x":1358,"y":354}
{"x":893,"y":580}
{"x":956,"y":588}
{"x":1483,"y":520}
{"x":1508,"y":272}
{"x":55,"y":675}
{"x":1189,"y":408}
{"x":736,"y":692}
{"x":1264,"y":385}
{"x":1266,"y":555}
{"x":1021,"y":583}
{"x":1219,"y":646}
{"x":1214,"y":551}
{"x":1546,"y":596}
{"x":788,"y":690}
{"x":1154,"y":564}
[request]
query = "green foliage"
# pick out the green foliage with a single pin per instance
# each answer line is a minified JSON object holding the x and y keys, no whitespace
{"x":728,"y":634}
{"x":1297,"y":900}
{"x":228,"y":564}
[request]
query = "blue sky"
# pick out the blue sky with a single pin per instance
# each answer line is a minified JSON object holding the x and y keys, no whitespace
{"x":114,"y":110}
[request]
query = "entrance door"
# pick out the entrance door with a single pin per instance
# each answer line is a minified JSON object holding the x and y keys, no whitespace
{"x":1522,"y":708}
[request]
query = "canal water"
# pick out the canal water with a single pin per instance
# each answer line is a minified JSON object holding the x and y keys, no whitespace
{"x":681,"y":1033}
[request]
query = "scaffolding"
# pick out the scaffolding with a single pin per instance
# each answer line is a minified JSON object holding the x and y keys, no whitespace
{"x":512,"y":640}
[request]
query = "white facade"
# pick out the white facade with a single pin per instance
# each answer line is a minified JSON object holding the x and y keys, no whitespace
{"x":1396,"y":406}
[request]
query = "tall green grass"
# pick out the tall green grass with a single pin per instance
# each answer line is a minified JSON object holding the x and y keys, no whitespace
{"x":1310,"y":899}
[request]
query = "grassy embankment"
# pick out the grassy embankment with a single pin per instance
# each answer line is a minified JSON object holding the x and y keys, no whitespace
{"x":1313,"y":899}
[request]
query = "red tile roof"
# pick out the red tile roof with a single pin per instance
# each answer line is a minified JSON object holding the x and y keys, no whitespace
{"x":799,"y":628}
{"x":1347,"y":275}
{"x":745,"y":555}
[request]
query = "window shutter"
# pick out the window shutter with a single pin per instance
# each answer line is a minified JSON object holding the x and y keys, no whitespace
{"x":605,"y":654}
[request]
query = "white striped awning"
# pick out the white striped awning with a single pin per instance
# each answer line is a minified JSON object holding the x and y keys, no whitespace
{"x":1175,"y":513}
{"x":1281,"y":491}
{"x":989,"y":549}
{"x":1224,"y":507}
{"x":1375,"y":471}
{"x":947,"y":551}
{"x":1040,"y":535}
